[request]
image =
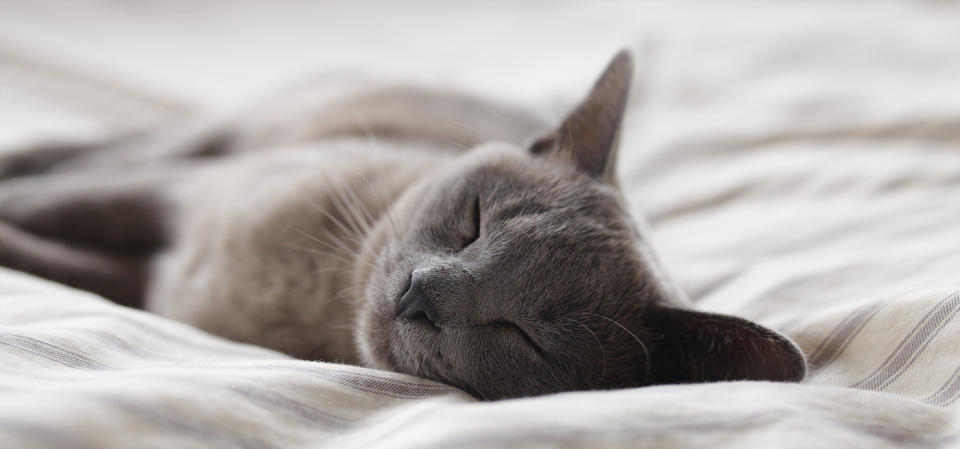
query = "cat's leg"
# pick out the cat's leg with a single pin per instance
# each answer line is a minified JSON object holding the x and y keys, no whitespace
{"x":116,"y":211}
{"x":192,"y":138}
{"x":116,"y":276}
{"x":91,"y":230}
{"x":44,"y":157}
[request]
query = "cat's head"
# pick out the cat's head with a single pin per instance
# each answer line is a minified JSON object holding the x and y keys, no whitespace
{"x":518,"y":271}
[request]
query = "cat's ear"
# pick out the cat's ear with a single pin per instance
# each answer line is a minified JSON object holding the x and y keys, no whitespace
{"x":691,"y":346}
{"x":589,"y":136}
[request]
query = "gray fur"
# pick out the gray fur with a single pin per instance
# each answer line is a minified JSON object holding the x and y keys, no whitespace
{"x":303,"y":232}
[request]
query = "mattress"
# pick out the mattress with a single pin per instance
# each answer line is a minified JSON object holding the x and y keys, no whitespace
{"x":799,"y":165}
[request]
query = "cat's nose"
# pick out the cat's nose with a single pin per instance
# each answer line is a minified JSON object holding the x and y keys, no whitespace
{"x":416,"y":306}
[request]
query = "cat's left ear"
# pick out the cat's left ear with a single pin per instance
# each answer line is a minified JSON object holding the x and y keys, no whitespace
{"x":693,"y":346}
{"x":589,"y":136}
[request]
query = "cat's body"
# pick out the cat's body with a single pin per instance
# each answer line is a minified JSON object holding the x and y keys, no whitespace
{"x":363,"y":231}
{"x":279,"y":261}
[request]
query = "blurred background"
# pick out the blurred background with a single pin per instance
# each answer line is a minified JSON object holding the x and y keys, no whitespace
{"x":73,"y":68}
{"x":84,"y":67}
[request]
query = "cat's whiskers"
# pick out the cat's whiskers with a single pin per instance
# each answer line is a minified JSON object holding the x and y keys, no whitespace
{"x":646,"y":352}
{"x":338,"y":249}
{"x":336,"y":221}
{"x":360,"y":206}
{"x":385,"y":205}
{"x":603,"y":353}
{"x":304,"y":249}
{"x":342,"y":205}
{"x":334,"y":269}
{"x":352,"y":218}
{"x":348,"y":289}
{"x":313,"y":251}
{"x":317,"y":252}
{"x":394,"y":227}
{"x":335,"y":245}
{"x":343,"y":327}
{"x":372,"y":141}
{"x":357,"y":208}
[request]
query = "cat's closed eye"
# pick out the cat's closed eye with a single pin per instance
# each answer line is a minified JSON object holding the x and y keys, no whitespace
{"x":474,"y":220}
{"x":509,"y":326}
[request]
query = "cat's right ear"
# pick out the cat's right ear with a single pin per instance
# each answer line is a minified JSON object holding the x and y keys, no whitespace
{"x":589,"y":136}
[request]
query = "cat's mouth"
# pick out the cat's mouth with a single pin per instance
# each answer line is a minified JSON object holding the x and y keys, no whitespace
{"x":415,"y":348}
{"x":415,"y":343}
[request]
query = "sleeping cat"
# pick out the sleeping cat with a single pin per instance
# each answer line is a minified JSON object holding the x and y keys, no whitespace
{"x":361,"y":229}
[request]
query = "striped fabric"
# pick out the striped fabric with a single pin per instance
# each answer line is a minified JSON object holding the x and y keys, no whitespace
{"x":800,"y":168}
{"x":79,"y":372}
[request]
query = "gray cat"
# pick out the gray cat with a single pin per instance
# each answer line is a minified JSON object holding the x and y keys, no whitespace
{"x":356,"y":228}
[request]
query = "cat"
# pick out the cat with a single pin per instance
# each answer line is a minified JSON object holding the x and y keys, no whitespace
{"x":407,"y":229}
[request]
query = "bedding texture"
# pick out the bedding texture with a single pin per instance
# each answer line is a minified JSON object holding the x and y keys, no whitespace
{"x":800,"y":168}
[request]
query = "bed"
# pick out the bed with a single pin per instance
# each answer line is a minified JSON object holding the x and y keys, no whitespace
{"x":799,"y":165}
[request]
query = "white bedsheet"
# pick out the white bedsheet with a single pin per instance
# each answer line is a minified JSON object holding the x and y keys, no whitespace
{"x":800,"y":165}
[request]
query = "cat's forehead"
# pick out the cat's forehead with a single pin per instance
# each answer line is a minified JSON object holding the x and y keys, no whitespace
{"x":554,"y":235}
{"x":509,"y":174}
{"x":574,"y":259}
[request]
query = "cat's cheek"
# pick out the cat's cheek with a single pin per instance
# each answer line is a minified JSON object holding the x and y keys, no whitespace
{"x":373,"y":332}
{"x":364,"y":344}
{"x":375,"y":352}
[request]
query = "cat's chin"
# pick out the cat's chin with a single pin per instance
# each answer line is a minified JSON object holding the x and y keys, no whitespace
{"x":384,"y":342}
{"x":399,"y":345}
{"x":369,"y":338}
